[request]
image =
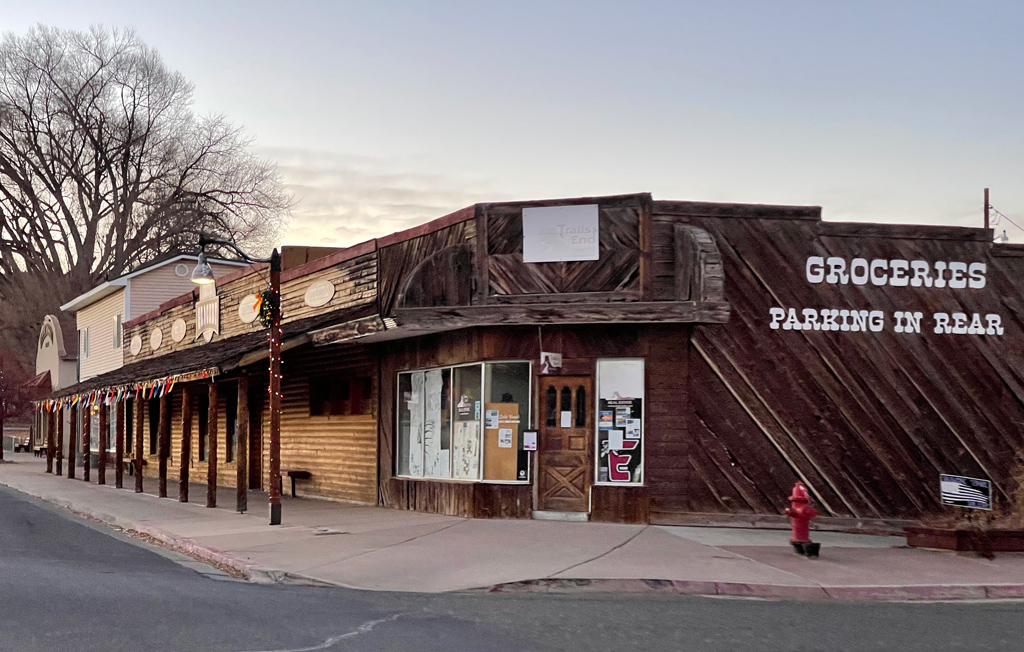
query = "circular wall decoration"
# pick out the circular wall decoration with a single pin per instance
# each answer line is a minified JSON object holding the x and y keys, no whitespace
{"x":136,"y":345}
{"x":319,"y":293}
{"x":247,"y":309}
{"x":156,"y":338}
{"x":181,"y":269}
{"x":178,"y":329}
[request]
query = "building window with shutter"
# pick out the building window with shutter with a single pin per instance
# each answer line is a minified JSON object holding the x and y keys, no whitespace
{"x":118,"y":332}
{"x":340,"y":396}
{"x":83,"y":342}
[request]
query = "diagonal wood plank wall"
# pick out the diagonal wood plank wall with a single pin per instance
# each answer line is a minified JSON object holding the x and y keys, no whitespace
{"x":867,"y":419}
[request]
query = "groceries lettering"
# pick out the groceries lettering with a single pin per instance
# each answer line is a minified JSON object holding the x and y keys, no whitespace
{"x":950,"y":275}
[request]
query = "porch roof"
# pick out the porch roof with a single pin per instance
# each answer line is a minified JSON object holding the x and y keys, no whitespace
{"x":219,"y":356}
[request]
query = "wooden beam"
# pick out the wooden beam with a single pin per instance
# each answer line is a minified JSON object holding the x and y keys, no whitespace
{"x":163,"y":443}
{"x":751,"y":211}
{"x":119,"y":443}
{"x":50,"y":427}
{"x":264,"y":351}
{"x":905,"y":231}
{"x":242,"y":447}
{"x":644,"y":228}
{"x":86,"y":441}
{"x":101,"y":469}
{"x":59,"y":454}
{"x":185,"y":461}
{"x":74,"y":425}
{"x":347,"y":331}
{"x":140,"y":424}
{"x":568,"y":297}
{"x":451,"y":318}
{"x":211,"y":455}
{"x":482,"y":279}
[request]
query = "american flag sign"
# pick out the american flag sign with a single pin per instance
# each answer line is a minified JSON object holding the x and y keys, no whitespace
{"x":960,"y":491}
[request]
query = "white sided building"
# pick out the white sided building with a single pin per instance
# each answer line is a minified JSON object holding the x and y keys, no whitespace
{"x":101,"y":312}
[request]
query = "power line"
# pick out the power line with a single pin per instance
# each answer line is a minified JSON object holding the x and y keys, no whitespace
{"x":1002,"y":215}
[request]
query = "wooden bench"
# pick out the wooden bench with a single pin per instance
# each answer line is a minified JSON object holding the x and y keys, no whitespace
{"x":40,"y":451}
{"x":294,"y":474}
{"x":129,"y":465}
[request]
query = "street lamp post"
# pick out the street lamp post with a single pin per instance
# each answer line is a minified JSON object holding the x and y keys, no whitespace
{"x":203,"y":274}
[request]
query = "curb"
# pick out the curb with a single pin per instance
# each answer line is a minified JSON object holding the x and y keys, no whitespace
{"x":251,"y":572}
{"x":923,"y":592}
{"x":262,"y":575}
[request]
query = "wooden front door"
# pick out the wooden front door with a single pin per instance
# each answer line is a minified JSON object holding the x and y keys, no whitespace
{"x":565,"y":455}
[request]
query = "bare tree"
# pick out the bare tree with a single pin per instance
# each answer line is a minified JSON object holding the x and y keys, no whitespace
{"x":14,"y":400}
{"x":104,"y":165}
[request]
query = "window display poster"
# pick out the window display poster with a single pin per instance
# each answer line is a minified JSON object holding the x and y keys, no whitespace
{"x":492,"y":419}
{"x":501,"y":462}
{"x":620,"y":421}
{"x":530,"y":440}
{"x":466,"y":452}
{"x":415,"y":450}
{"x":435,"y":453}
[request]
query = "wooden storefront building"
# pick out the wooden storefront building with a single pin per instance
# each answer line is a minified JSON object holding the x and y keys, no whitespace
{"x":613,"y":358}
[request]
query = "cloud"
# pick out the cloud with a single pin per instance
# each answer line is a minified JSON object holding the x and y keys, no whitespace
{"x":343,"y":200}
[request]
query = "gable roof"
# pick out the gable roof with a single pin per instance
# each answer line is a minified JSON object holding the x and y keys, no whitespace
{"x":110,"y":287}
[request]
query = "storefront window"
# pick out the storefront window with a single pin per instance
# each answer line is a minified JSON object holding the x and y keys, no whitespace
{"x":507,"y":415}
{"x":468,"y":385}
{"x":620,"y":422}
{"x":464,"y":422}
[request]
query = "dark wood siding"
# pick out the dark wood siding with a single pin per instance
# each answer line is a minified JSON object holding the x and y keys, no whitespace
{"x":867,"y":419}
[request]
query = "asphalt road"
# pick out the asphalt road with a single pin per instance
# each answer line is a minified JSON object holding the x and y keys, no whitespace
{"x":66,"y":584}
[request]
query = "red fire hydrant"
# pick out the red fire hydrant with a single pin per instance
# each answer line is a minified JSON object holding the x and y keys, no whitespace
{"x":800,"y":514}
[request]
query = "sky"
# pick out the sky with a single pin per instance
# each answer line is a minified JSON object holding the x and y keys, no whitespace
{"x":382,"y":115}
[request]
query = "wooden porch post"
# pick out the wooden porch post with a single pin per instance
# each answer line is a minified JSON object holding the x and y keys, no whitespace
{"x":211,"y":455}
{"x":242,"y":447}
{"x":119,"y":408}
{"x":164,"y":443}
{"x":139,"y":425}
{"x":59,"y":454}
{"x":50,"y":422}
{"x":86,"y":441}
{"x":73,"y":426}
{"x":186,"y":444}
{"x":101,"y":471}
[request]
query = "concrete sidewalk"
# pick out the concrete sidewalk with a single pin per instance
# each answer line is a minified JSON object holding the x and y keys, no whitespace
{"x":383,"y":549}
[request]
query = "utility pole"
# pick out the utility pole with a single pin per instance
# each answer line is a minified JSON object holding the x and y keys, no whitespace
{"x":986,"y":208}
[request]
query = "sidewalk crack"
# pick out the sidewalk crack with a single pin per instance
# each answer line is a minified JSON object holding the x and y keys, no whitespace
{"x":606,"y":552}
{"x":390,"y":545}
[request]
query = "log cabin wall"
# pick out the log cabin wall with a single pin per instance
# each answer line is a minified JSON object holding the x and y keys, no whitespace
{"x":868,"y":420}
{"x":352,"y":272}
{"x":340,"y":450}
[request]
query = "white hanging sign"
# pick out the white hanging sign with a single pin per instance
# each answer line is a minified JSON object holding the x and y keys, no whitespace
{"x":319,"y":293}
{"x":247,"y":309}
{"x":558,"y":233}
{"x":178,"y":329}
{"x":550,"y":362}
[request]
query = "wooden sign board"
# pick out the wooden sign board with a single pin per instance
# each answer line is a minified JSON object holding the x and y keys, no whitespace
{"x":501,"y":441}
